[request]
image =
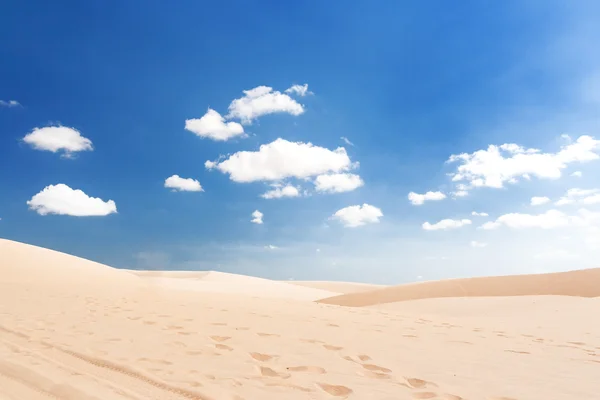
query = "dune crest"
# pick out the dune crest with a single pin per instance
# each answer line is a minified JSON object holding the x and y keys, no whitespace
{"x":580,"y":283}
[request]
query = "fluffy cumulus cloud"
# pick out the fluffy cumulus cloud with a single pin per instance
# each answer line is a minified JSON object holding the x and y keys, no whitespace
{"x":579,"y":196}
{"x":446,"y":224}
{"x":257,"y":217}
{"x":180,"y":184}
{"x":507,"y":163}
{"x":282,"y":159}
{"x":548,"y":220}
{"x":263,"y":100}
{"x":479,"y":214}
{"x":337,"y":183}
{"x":9,"y":103}
{"x":418,"y":199}
{"x":475,"y":243}
{"x":58,"y":138}
{"x":354,"y":216}
{"x":280,"y":191}
{"x":539,"y":200}
{"x":577,"y":174}
{"x":62,"y":200}
{"x":300,"y":90}
{"x":213,"y":126}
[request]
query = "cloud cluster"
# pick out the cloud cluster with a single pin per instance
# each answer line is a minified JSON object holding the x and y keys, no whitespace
{"x":419,"y":199}
{"x":507,"y":163}
{"x":257,"y":217}
{"x":62,"y":200}
{"x":58,"y":138}
{"x":579,"y":196}
{"x":280,"y":191}
{"x":446,"y":224}
{"x":213,"y":126}
{"x":282,"y":159}
{"x":180,"y":184}
{"x":338,"y":183}
{"x":257,"y":102}
{"x":9,"y":103}
{"x":359,"y":215}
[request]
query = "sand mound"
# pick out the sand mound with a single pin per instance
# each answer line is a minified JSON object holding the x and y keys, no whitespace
{"x":26,"y":264}
{"x":226,"y":283}
{"x":339,"y":287}
{"x":582,"y":283}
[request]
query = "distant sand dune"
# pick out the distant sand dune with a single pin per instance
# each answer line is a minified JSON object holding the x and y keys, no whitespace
{"x":582,"y":283}
{"x":339,"y":287}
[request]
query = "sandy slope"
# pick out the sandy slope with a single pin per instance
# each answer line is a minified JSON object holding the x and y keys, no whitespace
{"x":72,"y":329}
{"x":221,"y":282}
{"x":582,"y":283}
{"x":338,"y":287}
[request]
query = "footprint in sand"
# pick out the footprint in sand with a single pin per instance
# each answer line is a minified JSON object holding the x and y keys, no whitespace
{"x":364,"y":357}
{"x":332,"y":348}
{"x":517,"y":351}
{"x":335,"y":390}
{"x":376,"y":368}
{"x":306,"y":368}
{"x":417,"y":383}
{"x":223,"y":347}
{"x":271,"y":373}
{"x":263,"y":334}
{"x":261,"y":357}
{"x":219,"y":323}
{"x":220,"y":338}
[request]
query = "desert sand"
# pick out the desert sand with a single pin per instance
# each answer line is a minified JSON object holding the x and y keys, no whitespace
{"x":74,"y":329}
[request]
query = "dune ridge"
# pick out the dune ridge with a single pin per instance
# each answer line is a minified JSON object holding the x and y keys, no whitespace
{"x":578,"y":283}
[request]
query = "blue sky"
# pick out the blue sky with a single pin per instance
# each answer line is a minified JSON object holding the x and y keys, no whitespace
{"x":409,"y":84}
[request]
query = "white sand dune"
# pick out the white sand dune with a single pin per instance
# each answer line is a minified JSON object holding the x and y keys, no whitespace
{"x":339,"y":287}
{"x":221,"y":282}
{"x":71,"y":329}
{"x":581,"y":283}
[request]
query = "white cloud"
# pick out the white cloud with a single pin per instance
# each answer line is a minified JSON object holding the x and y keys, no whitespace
{"x":338,"y":183}
{"x":62,"y":200}
{"x":271,"y":247}
{"x":576,"y":195}
{"x":538,"y":201}
{"x":577,"y":174}
{"x":57,"y":138}
{"x":300,"y":90}
{"x":479,"y":214}
{"x":9,"y":103}
{"x":418,"y":199}
{"x":506,"y":163}
{"x":478,"y":244}
{"x":282,"y":159}
{"x":548,"y":220}
{"x":213,"y":126}
{"x":178,"y":183}
{"x":346,"y":140}
{"x":262,"y":100}
{"x":279,"y":192}
{"x":257,"y":217}
{"x":446,"y":224}
{"x":353,"y":216}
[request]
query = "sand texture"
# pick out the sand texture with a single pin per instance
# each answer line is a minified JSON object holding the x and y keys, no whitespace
{"x":77,"y":330}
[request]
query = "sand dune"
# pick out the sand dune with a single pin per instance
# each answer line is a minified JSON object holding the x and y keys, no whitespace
{"x":338,"y":287}
{"x":71,"y":329}
{"x":582,"y":283}
{"x":221,"y":282}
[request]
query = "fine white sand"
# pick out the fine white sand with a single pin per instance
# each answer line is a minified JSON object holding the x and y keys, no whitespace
{"x":74,"y":329}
